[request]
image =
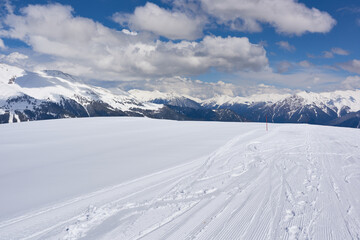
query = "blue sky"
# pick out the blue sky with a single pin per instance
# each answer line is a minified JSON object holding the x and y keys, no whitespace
{"x":282,"y":44}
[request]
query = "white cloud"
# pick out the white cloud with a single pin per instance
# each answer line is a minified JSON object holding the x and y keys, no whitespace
{"x":200,"y":89}
{"x":184,"y":86}
{"x":84,"y":47}
{"x":129,"y":32}
{"x":307,"y":78}
{"x":2,"y":44}
{"x":335,"y":51}
{"x":328,"y":54}
{"x":349,"y":9}
{"x":287,"y":16}
{"x":331,"y":53}
{"x":352,"y":82}
{"x":249,"y":83}
{"x":170,"y":24}
{"x":351,"y":66}
{"x":283,"y":66}
{"x":305,"y":64}
{"x":245,"y":25}
{"x":286,"y":46}
{"x":340,"y":51}
{"x":8,"y":7}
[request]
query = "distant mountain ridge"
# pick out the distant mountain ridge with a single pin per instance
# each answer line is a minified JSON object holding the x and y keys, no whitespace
{"x":339,"y":108}
{"x":52,"y":94}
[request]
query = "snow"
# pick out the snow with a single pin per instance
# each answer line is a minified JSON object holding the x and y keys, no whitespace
{"x":335,"y":100}
{"x":50,"y":85}
{"x":7,"y":72}
{"x":132,"y":178}
{"x":268,"y":98}
{"x":147,"y":96}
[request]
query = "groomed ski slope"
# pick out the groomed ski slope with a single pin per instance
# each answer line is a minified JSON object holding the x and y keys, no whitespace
{"x":131,"y":178}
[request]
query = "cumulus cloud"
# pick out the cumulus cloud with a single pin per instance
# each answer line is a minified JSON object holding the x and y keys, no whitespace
{"x":311,"y":79}
{"x":351,"y":66}
{"x":283,"y":66}
{"x":352,"y":82}
{"x":327,"y":54}
{"x":331,"y":53}
{"x":287,"y":16}
{"x":170,"y":24}
{"x":340,"y":51}
{"x":335,"y":51}
{"x":200,"y":89}
{"x":305,"y":64}
{"x":286,"y":46}
{"x":2,"y":44}
{"x":84,"y":47}
{"x":248,"y":83}
{"x":129,"y":32}
{"x":184,"y":86}
{"x":6,"y":6}
{"x":244,"y":25}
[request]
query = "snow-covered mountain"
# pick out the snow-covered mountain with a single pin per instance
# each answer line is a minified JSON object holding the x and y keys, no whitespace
{"x":187,"y":105}
{"x":52,"y":94}
{"x":340,"y":108}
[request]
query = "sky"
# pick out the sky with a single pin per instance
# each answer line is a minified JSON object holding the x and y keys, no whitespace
{"x":234,"y":47}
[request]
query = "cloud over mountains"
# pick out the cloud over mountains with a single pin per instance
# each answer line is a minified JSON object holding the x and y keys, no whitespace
{"x":90,"y":48}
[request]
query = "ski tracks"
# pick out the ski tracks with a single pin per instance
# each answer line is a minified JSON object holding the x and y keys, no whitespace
{"x":257,"y":186}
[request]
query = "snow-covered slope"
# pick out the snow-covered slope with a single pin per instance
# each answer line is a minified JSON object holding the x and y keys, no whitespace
{"x":28,"y":93}
{"x":137,"y":178}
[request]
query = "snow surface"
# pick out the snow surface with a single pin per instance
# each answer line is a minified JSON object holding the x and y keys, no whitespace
{"x":138,"y":178}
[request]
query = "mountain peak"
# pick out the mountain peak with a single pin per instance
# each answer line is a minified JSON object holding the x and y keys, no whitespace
{"x":60,"y":74}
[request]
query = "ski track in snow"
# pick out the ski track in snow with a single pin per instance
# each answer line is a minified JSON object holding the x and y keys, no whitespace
{"x":293,"y":182}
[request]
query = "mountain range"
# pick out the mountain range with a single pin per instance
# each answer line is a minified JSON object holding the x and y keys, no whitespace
{"x":51,"y":94}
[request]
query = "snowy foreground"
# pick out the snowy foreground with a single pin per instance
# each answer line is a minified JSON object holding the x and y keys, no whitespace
{"x":130,"y":178}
